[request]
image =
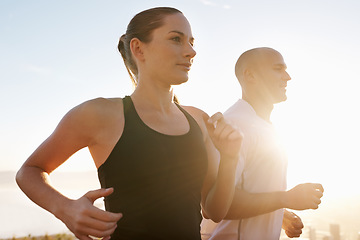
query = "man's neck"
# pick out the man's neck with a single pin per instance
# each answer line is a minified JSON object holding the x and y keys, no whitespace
{"x":262,"y":108}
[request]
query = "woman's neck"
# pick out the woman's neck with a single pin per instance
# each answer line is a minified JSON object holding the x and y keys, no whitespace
{"x":153,"y":97}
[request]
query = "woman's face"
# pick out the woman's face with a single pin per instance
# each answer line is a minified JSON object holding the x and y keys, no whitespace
{"x":168,"y":56}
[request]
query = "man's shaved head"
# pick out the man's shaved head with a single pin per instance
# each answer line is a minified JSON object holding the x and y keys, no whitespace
{"x":251,"y":59}
{"x":262,"y":74}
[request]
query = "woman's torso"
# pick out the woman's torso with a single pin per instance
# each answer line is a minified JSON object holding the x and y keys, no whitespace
{"x":157,"y":180}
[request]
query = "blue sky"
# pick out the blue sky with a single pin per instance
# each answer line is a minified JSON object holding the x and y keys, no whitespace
{"x":57,"y":54}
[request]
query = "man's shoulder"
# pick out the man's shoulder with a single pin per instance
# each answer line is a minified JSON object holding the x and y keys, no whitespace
{"x":240,"y":113}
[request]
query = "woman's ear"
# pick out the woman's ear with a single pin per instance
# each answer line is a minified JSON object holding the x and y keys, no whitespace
{"x":136,"y":47}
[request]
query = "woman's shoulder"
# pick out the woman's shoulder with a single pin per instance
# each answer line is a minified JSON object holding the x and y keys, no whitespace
{"x":97,"y":111}
{"x":103,"y":102}
{"x":195,"y":112}
{"x":198,"y":114}
{"x":100,"y":105}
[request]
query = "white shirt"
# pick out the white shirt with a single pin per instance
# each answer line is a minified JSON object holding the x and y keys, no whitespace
{"x":261,"y":168}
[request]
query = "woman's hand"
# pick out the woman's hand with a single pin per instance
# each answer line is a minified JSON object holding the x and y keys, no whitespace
{"x":85,"y":220}
{"x":225,"y":137}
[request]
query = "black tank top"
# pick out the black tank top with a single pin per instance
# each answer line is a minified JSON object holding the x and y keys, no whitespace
{"x":157,"y":180}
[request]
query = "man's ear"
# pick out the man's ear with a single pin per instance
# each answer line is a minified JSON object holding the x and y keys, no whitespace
{"x":249,"y":76}
{"x":136,"y":47}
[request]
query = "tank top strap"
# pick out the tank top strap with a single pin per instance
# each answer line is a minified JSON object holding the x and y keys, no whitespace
{"x":132,"y":118}
{"x":129,"y":108}
{"x":194,"y":126}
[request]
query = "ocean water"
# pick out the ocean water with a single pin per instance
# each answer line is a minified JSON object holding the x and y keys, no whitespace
{"x":19,"y":216}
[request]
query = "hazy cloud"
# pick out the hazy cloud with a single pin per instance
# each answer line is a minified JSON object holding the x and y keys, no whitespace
{"x":207,"y":2}
{"x":214,"y":4}
{"x":37,"y":69}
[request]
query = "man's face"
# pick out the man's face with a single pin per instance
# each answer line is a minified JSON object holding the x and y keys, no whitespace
{"x":272,"y":76}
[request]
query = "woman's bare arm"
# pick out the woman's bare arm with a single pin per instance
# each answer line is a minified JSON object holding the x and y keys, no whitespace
{"x":74,"y":132}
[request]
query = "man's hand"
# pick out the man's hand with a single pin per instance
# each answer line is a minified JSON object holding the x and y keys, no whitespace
{"x":304,"y":196}
{"x":292,"y":224}
{"x":85,"y":220}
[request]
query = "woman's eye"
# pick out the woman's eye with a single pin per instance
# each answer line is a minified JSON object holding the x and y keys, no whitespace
{"x":176,"y":39}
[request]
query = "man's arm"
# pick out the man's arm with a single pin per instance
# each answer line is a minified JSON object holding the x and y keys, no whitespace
{"x":301,"y":197}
